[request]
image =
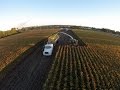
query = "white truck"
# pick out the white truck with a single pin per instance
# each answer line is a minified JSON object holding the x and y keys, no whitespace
{"x":48,"y":49}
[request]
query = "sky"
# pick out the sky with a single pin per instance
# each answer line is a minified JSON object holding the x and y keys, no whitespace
{"x":92,"y":13}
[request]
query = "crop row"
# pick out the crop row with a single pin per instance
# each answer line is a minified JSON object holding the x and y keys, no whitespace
{"x":81,"y":68}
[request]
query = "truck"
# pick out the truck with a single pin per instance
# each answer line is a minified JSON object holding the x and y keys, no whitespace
{"x":49,"y":46}
{"x":48,"y":49}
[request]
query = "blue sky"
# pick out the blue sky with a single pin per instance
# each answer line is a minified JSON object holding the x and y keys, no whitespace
{"x":94,"y":13}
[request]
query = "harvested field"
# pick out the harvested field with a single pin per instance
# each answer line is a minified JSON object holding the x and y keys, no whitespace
{"x":95,"y":37}
{"x":29,"y":71}
{"x":12,"y":46}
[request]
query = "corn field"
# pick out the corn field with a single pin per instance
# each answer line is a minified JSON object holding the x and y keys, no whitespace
{"x":82,"y":68}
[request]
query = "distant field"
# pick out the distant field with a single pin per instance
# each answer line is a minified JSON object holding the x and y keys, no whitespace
{"x":12,"y":46}
{"x":97,"y":37}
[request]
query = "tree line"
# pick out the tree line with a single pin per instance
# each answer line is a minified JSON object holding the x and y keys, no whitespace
{"x":96,"y":29}
{"x":15,"y":30}
{"x":8,"y":33}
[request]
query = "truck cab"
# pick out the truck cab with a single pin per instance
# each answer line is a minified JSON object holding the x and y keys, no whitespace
{"x":48,"y":49}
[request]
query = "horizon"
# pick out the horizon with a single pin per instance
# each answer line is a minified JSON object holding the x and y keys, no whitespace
{"x":94,"y":13}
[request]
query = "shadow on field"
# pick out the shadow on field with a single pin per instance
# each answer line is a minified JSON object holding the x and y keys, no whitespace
{"x":29,"y":70}
{"x":10,"y":67}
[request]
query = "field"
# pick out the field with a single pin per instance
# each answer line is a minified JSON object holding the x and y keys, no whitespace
{"x":91,"y":64}
{"x":79,"y":68}
{"x":12,"y":46}
{"x":96,"y":37}
{"x":91,"y":67}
